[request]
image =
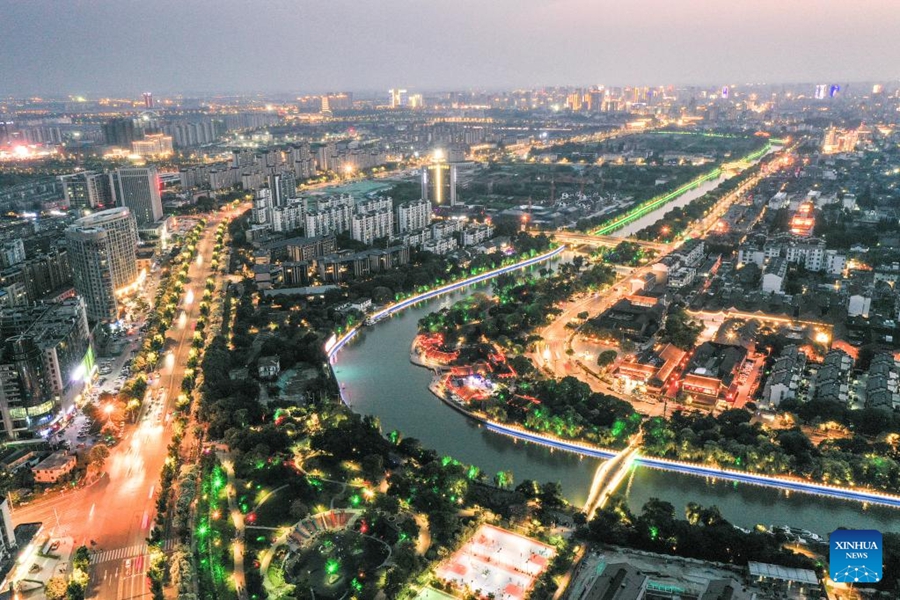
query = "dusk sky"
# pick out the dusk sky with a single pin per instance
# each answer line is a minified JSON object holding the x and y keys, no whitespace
{"x":97,"y":46}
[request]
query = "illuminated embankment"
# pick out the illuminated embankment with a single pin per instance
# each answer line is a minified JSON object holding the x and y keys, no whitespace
{"x":781,"y":483}
{"x":450,"y":287}
{"x":654,"y":203}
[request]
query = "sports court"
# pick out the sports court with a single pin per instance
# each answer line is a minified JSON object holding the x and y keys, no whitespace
{"x":497,"y":561}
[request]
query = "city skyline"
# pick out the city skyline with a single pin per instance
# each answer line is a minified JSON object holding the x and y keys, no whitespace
{"x":283,"y":47}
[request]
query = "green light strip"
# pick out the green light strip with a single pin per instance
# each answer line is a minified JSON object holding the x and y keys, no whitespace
{"x":654,"y":203}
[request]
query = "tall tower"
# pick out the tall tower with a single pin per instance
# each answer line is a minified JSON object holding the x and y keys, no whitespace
{"x":148,"y":100}
{"x":439,"y":181}
{"x":102,"y":251}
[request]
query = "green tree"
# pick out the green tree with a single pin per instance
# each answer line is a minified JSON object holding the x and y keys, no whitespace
{"x":606,"y":358}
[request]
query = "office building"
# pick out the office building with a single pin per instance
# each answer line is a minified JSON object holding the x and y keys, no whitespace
{"x":137,"y":188}
{"x":45,"y":360}
{"x":102,"y":252}
{"x":153,"y":144}
{"x":148,"y":100}
{"x":413,"y":215}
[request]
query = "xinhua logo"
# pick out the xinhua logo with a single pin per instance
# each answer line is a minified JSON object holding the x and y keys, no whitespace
{"x":855,"y":556}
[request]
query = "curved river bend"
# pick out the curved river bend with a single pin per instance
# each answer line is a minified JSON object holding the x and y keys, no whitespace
{"x":377,"y":378}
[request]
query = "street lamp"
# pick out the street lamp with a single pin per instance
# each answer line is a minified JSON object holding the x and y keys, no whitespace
{"x":108,"y":409}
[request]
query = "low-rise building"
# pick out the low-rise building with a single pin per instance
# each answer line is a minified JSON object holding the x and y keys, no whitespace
{"x":830,"y":383}
{"x":54,"y":467}
{"x":268,"y":367}
{"x":784,"y":380}
{"x":773,"y":276}
{"x":711,"y":374}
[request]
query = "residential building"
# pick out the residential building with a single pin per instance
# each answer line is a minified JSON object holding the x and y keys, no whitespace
{"x":268,"y":367}
{"x":7,"y":531}
{"x":784,"y":380}
{"x":369,"y":226}
{"x":831,"y":380}
{"x":774,"y":275}
{"x":87,"y":189}
{"x":882,"y":383}
{"x":412,"y":216}
{"x":102,"y":251}
{"x":440,"y":246}
{"x":289,"y":217}
{"x":475,"y":234}
{"x":46,"y":357}
{"x":12,"y":252}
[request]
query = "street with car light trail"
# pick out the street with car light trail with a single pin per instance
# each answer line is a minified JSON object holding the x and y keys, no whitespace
{"x":114,"y":516}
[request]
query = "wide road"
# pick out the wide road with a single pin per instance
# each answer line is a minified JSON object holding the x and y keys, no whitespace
{"x":118,"y":511}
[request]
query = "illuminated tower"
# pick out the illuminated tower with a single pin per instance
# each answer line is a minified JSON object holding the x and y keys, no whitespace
{"x":148,"y":100}
{"x":439,"y":181}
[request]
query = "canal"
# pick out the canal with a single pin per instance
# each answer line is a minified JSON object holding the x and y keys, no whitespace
{"x":378,"y":379}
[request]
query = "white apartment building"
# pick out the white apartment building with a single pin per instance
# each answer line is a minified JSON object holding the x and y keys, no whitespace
{"x":413,"y":215}
{"x":369,"y":226}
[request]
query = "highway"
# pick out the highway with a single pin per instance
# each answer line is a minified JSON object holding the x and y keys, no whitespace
{"x":114,"y":516}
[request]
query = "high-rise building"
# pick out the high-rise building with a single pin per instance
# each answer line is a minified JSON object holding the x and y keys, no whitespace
{"x":148,"y":100}
{"x":283,"y":187}
{"x":45,"y":359}
{"x":439,"y":182}
{"x":413,"y":215}
{"x":119,"y":132}
{"x":262,"y":206}
{"x":398,"y":97}
{"x":369,"y":226}
{"x":12,"y":252}
{"x":137,"y":188}
{"x":102,"y":251}
{"x":87,"y":189}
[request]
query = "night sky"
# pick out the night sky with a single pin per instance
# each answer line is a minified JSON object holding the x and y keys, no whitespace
{"x":128,"y":46}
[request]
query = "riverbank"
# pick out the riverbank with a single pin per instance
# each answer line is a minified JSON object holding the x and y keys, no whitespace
{"x":439,"y":388}
{"x":445,"y":289}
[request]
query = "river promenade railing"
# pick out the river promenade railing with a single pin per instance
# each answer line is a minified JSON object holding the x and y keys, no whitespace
{"x":444,"y":289}
{"x":789,"y":484}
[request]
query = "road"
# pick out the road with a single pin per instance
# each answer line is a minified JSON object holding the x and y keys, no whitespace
{"x":610,"y":241}
{"x":118,"y":512}
{"x":551,"y":353}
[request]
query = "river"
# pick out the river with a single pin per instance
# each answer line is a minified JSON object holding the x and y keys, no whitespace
{"x":378,"y":379}
{"x":682,"y":200}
